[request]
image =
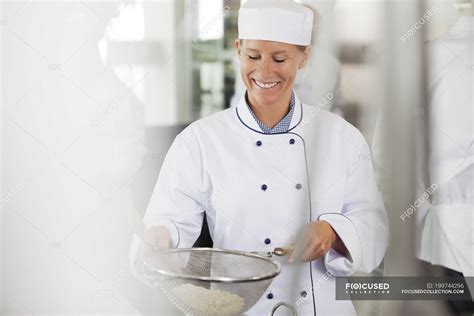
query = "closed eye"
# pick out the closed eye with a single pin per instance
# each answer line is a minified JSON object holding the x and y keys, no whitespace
{"x":258,"y":57}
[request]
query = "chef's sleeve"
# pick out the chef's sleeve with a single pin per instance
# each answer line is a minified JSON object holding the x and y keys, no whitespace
{"x":176,"y":202}
{"x":362,"y":224}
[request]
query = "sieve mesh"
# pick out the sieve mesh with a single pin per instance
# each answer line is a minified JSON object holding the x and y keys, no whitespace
{"x":210,"y":281}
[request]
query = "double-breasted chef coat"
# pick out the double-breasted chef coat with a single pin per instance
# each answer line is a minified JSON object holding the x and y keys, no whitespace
{"x":259,"y":189}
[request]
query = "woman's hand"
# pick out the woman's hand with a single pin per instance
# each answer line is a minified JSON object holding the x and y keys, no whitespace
{"x":156,"y":238}
{"x":317,"y":238}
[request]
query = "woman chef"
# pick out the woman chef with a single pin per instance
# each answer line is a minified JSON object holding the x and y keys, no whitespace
{"x":264,"y":168}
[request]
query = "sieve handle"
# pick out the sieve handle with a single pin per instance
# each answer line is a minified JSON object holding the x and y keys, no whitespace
{"x":283,"y":251}
{"x":289,"y":306}
{"x":279,"y":251}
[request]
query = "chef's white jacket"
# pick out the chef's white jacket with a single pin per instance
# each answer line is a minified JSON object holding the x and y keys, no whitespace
{"x":259,"y":189}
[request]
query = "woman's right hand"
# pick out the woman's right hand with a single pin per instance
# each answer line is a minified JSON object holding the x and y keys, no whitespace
{"x":156,"y":238}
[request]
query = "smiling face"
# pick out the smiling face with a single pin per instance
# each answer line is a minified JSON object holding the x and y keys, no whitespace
{"x":269,"y":69}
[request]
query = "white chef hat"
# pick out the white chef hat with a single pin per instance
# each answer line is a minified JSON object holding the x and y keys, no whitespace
{"x":276,"y":20}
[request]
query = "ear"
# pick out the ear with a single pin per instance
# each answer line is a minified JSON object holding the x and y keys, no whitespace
{"x":237,"y":47}
{"x":306,"y":55}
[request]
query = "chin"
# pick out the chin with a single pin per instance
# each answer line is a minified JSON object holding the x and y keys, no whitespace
{"x":266,"y":100}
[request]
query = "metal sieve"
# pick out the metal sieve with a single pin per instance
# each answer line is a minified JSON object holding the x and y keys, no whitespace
{"x":210,"y":281}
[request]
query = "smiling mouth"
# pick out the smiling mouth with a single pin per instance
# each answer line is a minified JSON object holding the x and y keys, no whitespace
{"x":267,"y":85}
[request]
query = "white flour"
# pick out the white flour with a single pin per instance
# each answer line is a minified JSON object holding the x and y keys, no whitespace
{"x":209,"y":302}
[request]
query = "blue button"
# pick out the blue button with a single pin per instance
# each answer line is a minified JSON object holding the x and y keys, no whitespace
{"x":292,"y":141}
{"x":259,"y":143}
{"x":267,"y":241}
{"x":298,"y":186}
{"x":264,"y":187}
{"x":269,"y":296}
{"x":303,"y":293}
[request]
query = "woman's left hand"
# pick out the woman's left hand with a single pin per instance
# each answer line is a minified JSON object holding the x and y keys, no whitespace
{"x":317,"y":238}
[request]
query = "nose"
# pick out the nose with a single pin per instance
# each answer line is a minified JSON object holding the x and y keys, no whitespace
{"x":265,"y":68}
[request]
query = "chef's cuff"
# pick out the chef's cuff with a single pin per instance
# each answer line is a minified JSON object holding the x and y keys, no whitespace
{"x":336,"y":263}
{"x":172,"y":227}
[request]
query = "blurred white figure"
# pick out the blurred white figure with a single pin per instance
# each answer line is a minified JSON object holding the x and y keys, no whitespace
{"x":445,"y":223}
{"x":321,"y":78}
{"x":444,"y":209}
{"x":78,"y":140}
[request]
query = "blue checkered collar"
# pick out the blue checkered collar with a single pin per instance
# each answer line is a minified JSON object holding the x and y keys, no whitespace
{"x":290,"y":121}
{"x":283,"y":125}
